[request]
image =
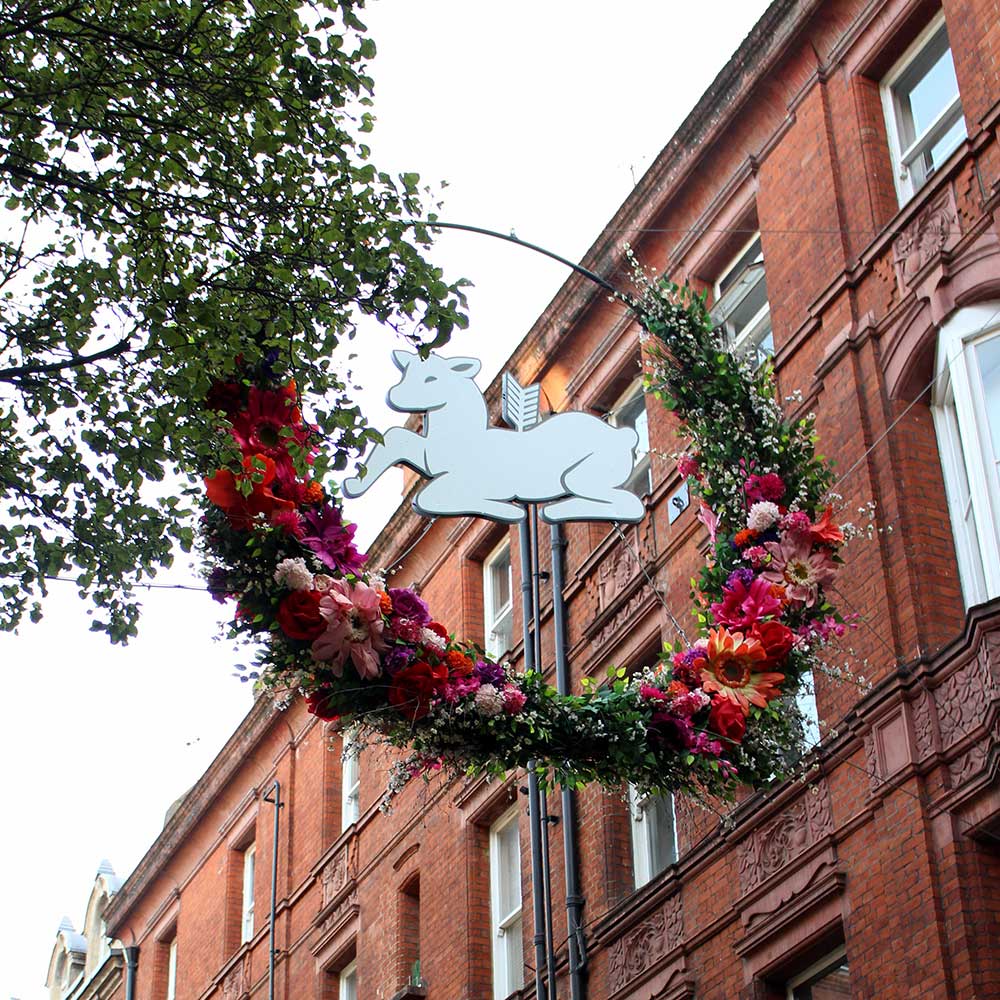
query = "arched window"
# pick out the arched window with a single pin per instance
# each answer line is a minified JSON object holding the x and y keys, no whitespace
{"x":966,"y":408}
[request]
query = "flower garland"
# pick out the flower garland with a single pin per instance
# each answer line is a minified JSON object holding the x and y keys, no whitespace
{"x":710,"y":715}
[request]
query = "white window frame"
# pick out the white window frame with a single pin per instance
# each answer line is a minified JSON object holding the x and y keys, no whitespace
{"x":826,"y":964}
{"x":347,"y":982}
{"x":350,"y":781}
{"x":644,"y":838}
{"x":754,"y":332}
{"x":508,"y":975}
{"x":970,"y":478}
{"x":903,"y":158}
{"x":640,"y":481}
{"x":246,"y":909}
{"x":493,"y":617}
{"x":172,"y":969}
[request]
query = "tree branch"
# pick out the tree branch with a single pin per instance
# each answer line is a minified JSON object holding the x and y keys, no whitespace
{"x":77,"y":361}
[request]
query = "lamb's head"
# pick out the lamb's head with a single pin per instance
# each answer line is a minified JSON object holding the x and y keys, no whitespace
{"x":429,"y":384}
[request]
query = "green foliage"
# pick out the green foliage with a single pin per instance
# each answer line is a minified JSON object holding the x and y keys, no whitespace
{"x":184,"y":184}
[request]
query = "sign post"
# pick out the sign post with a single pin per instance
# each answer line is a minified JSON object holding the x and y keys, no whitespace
{"x":571,"y":465}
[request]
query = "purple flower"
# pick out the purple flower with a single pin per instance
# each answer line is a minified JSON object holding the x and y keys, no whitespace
{"x":744,"y":576}
{"x":332,"y":540}
{"x":489,"y":673}
{"x":670,"y":731}
{"x":398,"y":658}
{"x":406,"y":604}
{"x":218,"y":585}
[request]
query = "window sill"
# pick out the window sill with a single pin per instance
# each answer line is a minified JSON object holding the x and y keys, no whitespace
{"x":409,"y":992}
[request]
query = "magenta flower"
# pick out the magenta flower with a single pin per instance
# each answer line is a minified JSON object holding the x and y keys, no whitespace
{"x":354,"y":629}
{"x":770,"y":486}
{"x":332,"y":540}
{"x":800,"y":571}
{"x":744,"y":604}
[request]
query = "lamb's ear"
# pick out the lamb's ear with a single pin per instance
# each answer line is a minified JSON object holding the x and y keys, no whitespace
{"x":468,"y":367}
{"x":401,"y":359}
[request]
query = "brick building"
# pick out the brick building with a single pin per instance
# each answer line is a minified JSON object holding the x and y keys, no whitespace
{"x":837,"y":193}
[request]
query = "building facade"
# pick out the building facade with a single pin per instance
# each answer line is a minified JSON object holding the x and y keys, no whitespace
{"x":836,"y":193}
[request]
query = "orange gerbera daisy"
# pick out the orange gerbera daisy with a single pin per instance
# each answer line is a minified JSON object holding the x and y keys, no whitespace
{"x":730,"y":667}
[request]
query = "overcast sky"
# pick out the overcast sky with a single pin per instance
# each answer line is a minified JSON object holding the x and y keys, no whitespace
{"x":540,"y":116}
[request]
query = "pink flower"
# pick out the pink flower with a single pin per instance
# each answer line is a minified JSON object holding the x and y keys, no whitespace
{"x":797,"y":522}
{"x":770,"y":486}
{"x":514,"y":699}
{"x":743,"y":604}
{"x":800,"y":571}
{"x":756,"y":555}
{"x":354,"y":629}
{"x":460,"y":687}
{"x":710,"y":521}
{"x":687,"y":466}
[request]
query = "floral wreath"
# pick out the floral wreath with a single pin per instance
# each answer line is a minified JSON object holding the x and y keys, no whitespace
{"x":710,"y":715}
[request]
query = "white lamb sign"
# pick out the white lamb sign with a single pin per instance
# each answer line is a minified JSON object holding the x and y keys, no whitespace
{"x":574,"y":463}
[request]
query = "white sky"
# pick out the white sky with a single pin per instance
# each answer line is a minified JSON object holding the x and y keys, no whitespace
{"x":541,"y":115}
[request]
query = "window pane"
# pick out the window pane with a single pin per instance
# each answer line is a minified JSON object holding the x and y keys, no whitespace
{"x":509,"y":868}
{"x":745,"y":259}
{"x":988,"y":359}
{"x":515,"y":955}
{"x":249,"y":857}
{"x":830,"y":984}
{"x":930,"y":90}
{"x":172,"y":970}
{"x":500,"y":580}
{"x":745,"y":313}
{"x":349,"y":983}
{"x":660,"y":816}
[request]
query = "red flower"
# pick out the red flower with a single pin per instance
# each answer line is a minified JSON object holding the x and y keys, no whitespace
{"x":439,"y":629}
{"x":223,"y":490}
{"x":322,"y":703}
{"x":299,"y":615}
{"x":726,"y":719}
{"x":824,"y":531}
{"x":259,"y":427}
{"x":414,"y":687}
{"x":777,"y":641}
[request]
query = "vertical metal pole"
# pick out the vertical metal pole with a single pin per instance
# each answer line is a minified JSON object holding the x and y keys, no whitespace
{"x":574,"y":899}
{"x":527,"y":616}
{"x":273,"y":796}
{"x":550,"y":948}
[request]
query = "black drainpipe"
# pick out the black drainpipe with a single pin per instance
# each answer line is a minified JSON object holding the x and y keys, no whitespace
{"x":131,"y":967}
{"x":574,"y":898}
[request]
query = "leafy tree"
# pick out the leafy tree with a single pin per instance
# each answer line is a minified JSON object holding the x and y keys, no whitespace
{"x":186,"y":189}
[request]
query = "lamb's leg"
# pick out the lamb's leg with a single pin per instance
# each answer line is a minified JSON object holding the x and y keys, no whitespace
{"x":591,"y":497}
{"x":449,"y":495}
{"x":399,"y":446}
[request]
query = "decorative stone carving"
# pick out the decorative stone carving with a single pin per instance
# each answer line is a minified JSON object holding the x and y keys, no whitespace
{"x":615,"y":574}
{"x":935,"y":229}
{"x":338,"y":871}
{"x":923,"y":725}
{"x":619,"y":619}
{"x":964,"y":698}
{"x":644,"y":946}
{"x":236,"y":985}
{"x":875,"y":779}
{"x":775,"y":844}
{"x":340,"y":912}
